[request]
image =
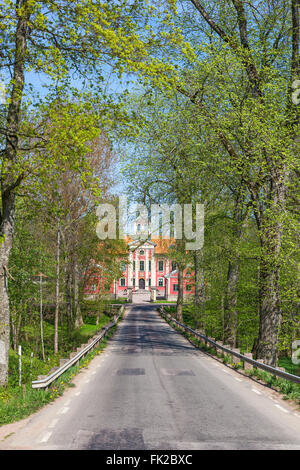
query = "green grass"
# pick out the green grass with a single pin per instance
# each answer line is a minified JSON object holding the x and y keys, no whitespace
{"x":90,"y":329}
{"x":170,"y":309}
{"x":291,"y":368}
{"x":290,"y":390}
{"x":18,"y":402}
{"x":118,"y":301}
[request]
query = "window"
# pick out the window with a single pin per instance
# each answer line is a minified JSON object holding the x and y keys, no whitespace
{"x":122,"y":281}
{"x":93,"y":287}
{"x":142,"y":266}
{"x":175,"y":287}
{"x":188,"y":287}
{"x":133,"y":282}
{"x":149,"y":265}
{"x":174,"y":265}
{"x":133,"y":266}
{"x":160,"y":283}
{"x":149,"y":281}
{"x":141,"y":252}
{"x":160,"y":265}
{"x":138,"y":227}
{"x":123,"y":266}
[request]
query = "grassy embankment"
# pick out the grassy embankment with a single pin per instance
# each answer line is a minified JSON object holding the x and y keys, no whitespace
{"x":18,"y":402}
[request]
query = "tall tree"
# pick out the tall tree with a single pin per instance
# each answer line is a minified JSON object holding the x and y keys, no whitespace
{"x":58,"y":39}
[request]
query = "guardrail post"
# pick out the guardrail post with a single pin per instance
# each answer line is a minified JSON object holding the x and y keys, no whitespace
{"x":212,"y":346}
{"x":219,"y":343}
{"x":235,"y":359}
{"x":228,"y":347}
{"x":247,"y":365}
{"x":199,"y":337}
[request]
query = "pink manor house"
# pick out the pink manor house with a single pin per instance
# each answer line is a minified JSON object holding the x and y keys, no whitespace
{"x":149,"y":271}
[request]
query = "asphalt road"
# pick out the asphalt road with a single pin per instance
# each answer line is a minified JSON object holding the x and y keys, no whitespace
{"x":151,"y":389}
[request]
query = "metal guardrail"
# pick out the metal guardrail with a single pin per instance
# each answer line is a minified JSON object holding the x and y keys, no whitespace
{"x":46,"y":381}
{"x":259,"y":365}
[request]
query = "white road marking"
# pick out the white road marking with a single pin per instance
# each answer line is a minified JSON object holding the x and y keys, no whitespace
{"x":46,"y":437}
{"x":67,"y":402}
{"x":226,"y":371}
{"x":281,"y":408}
{"x":53,"y":423}
{"x":77,"y":393}
{"x":94,"y":373}
{"x":297,"y":415}
{"x":239,"y":380}
{"x":64,"y":410}
{"x":256,"y":391}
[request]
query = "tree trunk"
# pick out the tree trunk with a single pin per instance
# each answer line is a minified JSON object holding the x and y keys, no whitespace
{"x":269,"y":286}
{"x":271,"y":229}
{"x":77,"y":314}
{"x":68,"y":293}
{"x":8,"y":183}
{"x":269,"y":298}
{"x":180,"y":294}
{"x":57,"y":292}
{"x":230,"y":303}
{"x":4,"y":310}
{"x":233,"y":272}
{"x":199,"y":301}
{"x":41,"y":317}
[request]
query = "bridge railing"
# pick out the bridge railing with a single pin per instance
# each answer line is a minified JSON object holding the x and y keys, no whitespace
{"x":44,"y":382}
{"x":233,"y":353}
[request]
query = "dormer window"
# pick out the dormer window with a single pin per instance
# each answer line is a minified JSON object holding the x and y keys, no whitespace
{"x":138,"y":227}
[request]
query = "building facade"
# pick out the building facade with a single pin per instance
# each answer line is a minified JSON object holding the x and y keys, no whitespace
{"x":148,"y":268}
